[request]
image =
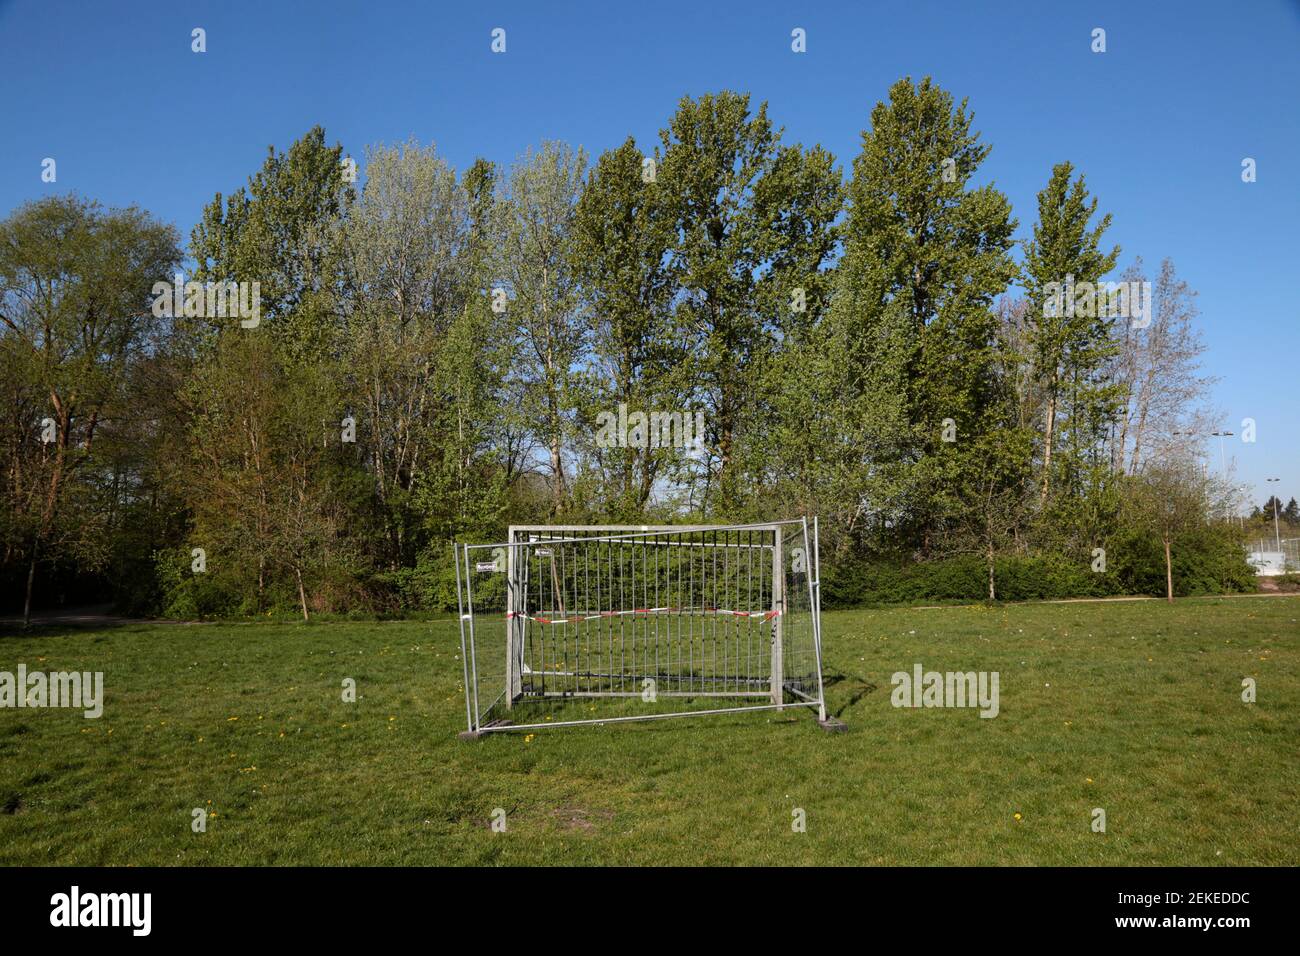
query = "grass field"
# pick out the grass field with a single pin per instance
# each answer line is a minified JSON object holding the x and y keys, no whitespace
{"x":1131,"y":707}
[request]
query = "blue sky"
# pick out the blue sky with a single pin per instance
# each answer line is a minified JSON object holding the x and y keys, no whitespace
{"x":1159,"y":123}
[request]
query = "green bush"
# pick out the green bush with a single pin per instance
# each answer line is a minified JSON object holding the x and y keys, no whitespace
{"x":431,"y":584}
{"x":187,"y":596}
{"x":1205,"y":560}
{"x":1208,"y":560}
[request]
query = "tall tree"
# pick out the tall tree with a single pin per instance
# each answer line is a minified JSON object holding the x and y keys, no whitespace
{"x":269,"y":454}
{"x":752,"y":223}
{"x":714,"y":154}
{"x":76,"y":319}
{"x":1157,"y":368}
{"x":481,"y":442}
{"x":268,"y":500}
{"x":800,"y":199}
{"x":622,"y":236}
{"x":553,"y":339}
{"x":283,"y":232}
{"x":925,"y":253}
{"x":1071,"y":336}
{"x":413,"y":258}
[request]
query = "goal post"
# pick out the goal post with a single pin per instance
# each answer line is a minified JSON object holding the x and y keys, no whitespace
{"x":566,"y":625}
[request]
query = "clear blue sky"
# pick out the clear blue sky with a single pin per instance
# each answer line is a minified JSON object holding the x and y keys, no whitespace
{"x":1159,"y":123}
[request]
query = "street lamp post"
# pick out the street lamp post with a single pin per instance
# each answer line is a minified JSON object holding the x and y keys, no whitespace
{"x":1223,"y":456}
{"x":1223,"y":462}
{"x":1277,"y":538}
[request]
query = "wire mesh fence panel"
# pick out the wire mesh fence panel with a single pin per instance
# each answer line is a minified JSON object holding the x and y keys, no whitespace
{"x":1273,"y":556}
{"x":565,"y":625}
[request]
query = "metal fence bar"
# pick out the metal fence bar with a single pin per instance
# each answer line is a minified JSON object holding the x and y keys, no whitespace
{"x":464,"y":649}
{"x":628,"y":719}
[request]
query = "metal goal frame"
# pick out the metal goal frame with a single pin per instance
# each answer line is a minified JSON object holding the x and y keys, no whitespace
{"x":681,"y":621}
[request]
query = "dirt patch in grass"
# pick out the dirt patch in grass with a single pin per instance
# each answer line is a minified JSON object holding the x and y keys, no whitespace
{"x":572,"y":818}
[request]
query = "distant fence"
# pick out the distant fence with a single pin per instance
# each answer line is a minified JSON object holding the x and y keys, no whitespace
{"x":1268,"y":560}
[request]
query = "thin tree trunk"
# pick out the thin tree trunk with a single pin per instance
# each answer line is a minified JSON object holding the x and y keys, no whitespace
{"x":1169,"y":575}
{"x":1047,"y":446}
{"x":31,"y":579}
{"x":557,"y":469}
{"x":302,"y":594}
{"x":51,"y":500}
{"x":1138,"y":433}
{"x":726,"y":447}
{"x":1119,"y":447}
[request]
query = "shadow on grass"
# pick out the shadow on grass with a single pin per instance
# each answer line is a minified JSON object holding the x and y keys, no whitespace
{"x":67,"y":619}
{"x":856,"y":687}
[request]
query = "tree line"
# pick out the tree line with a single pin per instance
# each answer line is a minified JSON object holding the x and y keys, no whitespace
{"x":438,"y":353}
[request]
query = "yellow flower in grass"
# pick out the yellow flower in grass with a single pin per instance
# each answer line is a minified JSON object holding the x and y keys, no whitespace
{"x":1017,"y":816}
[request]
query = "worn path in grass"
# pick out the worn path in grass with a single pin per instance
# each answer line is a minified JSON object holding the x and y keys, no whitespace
{"x":1134,"y":708}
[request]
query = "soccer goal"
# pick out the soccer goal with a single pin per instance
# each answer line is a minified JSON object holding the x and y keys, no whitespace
{"x":566,"y":625}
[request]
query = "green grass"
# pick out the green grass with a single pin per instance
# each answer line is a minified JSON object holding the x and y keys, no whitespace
{"x":1134,"y":707}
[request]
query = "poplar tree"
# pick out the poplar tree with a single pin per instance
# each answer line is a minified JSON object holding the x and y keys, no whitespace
{"x":925,"y":253}
{"x":283,"y":231}
{"x":1071,"y":342}
{"x":752,"y":221}
{"x":621,"y":237}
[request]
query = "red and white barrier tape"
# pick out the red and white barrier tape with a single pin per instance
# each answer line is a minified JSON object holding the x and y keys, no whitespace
{"x":765,"y":615}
